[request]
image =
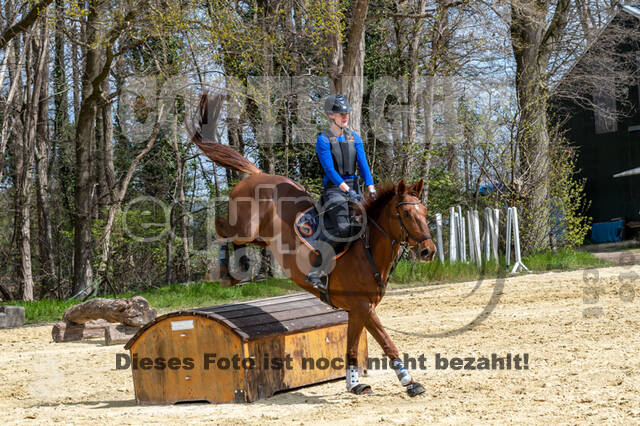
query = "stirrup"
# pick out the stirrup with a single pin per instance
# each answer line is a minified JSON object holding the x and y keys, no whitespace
{"x":318,"y":280}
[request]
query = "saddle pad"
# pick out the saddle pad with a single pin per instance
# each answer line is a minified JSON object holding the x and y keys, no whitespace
{"x":307,"y":227}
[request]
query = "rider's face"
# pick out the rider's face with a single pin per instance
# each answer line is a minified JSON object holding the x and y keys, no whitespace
{"x":341,"y":118}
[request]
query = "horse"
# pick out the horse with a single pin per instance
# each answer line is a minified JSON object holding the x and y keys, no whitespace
{"x":262,"y":211}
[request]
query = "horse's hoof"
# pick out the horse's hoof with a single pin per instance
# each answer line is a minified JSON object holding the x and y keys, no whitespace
{"x":361,"y":389}
{"x":415,"y":389}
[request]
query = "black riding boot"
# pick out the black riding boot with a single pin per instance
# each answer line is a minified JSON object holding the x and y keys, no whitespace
{"x":318,"y":276}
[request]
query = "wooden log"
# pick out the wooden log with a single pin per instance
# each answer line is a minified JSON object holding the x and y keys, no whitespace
{"x":135,"y":311}
{"x":69,"y":332}
{"x":119,"y":334}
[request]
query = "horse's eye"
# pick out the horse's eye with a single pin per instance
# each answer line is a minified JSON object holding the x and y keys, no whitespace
{"x":406,"y":214}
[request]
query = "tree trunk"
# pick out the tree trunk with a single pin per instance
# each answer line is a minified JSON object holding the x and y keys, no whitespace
{"x":107,"y":146}
{"x":348,"y":79}
{"x":45,"y":241}
{"x":532,"y":42}
{"x":450,"y":127}
{"x":75,"y":72}
{"x":35,"y":67}
{"x":427,"y":108}
{"x":179,"y":194}
{"x":412,"y":91}
{"x":120,"y":193}
{"x":84,"y":140}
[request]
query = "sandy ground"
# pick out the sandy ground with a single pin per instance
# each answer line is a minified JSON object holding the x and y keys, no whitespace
{"x":584,"y":365}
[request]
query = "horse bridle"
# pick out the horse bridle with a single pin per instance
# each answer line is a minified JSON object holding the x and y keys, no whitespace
{"x":408,"y":233}
{"x":404,"y":228}
{"x":403,"y":244}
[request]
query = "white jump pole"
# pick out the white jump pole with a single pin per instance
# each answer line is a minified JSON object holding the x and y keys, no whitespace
{"x":508,"y":248}
{"x":439,"y":237}
{"x":495,"y":233}
{"x":476,"y":237}
{"x":459,"y":233}
{"x":488,"y":229}
{"x":516,"y":239}
{"x":463,"y":236}
{"x":453,"y":251}
{"x":472,"y":250}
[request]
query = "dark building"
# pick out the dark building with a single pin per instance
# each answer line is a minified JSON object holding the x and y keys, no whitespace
{"x":608,"y":136}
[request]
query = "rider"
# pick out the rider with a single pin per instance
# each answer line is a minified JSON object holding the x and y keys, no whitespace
{"x":338,"y":149}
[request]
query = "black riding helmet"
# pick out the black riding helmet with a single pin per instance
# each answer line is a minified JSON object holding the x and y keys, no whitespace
{"x":337,"y":104}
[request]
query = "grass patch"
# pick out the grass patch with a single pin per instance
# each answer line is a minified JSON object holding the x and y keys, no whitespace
{"x":43,"y":310}
{"x":436,"y":272}
{"x":168,"y":298}
{"x":197,"y":294}
{"x":563,"y":259}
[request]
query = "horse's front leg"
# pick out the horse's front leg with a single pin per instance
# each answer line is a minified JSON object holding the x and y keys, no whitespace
{"x":355,"y":327}
{"x":374,"y":326}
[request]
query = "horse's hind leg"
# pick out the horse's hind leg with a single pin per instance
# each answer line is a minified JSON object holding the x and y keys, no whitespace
{"x":224,"y":230}
{"x":374,"y":326}
{"x":231,"y":233}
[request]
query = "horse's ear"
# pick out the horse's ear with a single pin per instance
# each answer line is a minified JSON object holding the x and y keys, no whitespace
{"x":416,"y":190}
{"x":402,"y":188}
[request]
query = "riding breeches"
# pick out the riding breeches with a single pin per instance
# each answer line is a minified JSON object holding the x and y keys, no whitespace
{"x":337,"y":227}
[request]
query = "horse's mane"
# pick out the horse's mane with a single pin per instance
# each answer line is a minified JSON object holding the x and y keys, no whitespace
{"x":374,"y":207}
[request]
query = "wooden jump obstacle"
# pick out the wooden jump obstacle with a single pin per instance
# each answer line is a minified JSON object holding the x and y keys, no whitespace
{"x":240,"y":352}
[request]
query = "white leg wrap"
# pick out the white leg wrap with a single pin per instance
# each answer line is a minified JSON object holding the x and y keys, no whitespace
{"x":352,"y":376}
{"x":401,"y":372}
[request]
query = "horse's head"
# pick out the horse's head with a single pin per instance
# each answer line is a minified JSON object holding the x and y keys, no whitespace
{"x":411,"y":220}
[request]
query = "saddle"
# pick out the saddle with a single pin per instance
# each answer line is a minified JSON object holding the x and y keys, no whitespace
{"x":307,"y":227}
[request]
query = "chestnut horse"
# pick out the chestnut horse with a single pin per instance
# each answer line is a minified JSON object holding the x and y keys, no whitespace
{"x":262,"y":211}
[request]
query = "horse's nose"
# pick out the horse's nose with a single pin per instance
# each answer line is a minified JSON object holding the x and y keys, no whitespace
{"x":425,"y":253}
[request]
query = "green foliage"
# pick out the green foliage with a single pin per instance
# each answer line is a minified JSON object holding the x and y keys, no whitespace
{"x":568,"y":198}
{"x":444,"y":191}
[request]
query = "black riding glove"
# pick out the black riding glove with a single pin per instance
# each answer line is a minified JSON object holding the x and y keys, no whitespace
{"x":354,"y":196}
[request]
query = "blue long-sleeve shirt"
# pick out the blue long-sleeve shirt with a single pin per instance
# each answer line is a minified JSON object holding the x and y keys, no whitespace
{"x":323,"y":149}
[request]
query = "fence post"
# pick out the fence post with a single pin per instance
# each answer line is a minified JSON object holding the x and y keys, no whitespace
{"x":463,"y":236}
{"x":476,"y":237}
{"x":496,"y":233}
{"x":453,"y":251}
{"x":516,"y":240}
{"x":459,"y":232}
{"x":472,"y":250}
{"x":508,"y":251}
{"x":440,"y":247}
{"x":488,"y":230}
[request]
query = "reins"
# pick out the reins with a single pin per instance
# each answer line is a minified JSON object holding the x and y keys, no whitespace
{"x":403,"y":245}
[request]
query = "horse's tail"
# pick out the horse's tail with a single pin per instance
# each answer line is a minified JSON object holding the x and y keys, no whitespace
{"x":204,"y":135}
